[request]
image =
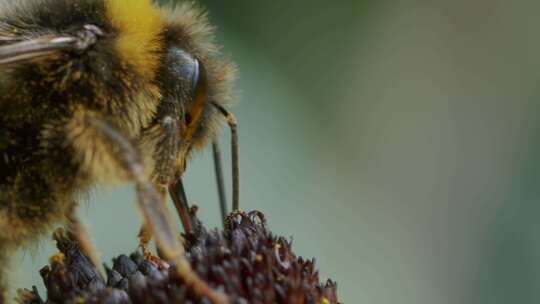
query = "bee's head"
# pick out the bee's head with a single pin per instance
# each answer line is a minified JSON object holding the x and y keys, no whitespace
{"x":194,"y":78}
{"x":185,"y":89}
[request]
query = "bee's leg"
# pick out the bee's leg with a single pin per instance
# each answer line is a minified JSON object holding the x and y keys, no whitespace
{"x":145,"y":233}
{"x":166,"y":153}
{"x":155,"y":214}
{"x":145,"y":236}
{"x":79,"y":233}
{"x":166,"y":168}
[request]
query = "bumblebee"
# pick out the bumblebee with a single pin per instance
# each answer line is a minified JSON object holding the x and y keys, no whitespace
{"x":106,"y":91}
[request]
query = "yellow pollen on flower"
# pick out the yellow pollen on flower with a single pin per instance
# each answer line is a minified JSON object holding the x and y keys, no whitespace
{"x":57,"y":258}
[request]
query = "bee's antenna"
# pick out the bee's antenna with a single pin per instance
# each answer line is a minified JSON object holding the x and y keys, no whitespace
{"x":218,"y":168}
{"x":233,"y":124}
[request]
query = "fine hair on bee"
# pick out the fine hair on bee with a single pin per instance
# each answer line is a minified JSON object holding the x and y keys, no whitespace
{"x":104,"y":91}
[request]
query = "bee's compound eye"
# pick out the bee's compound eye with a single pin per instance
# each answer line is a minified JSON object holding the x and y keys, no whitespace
{"x":199,"y":92}
{"x":185,"y":75}
{"x":196,"y":72}
{"x":195,"y":83}
{"x":182,"y":71}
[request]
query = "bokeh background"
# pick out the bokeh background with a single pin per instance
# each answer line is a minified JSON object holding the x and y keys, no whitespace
{"x":396,"y":141}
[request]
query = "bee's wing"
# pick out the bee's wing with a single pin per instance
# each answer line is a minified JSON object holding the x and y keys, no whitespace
{"x":14,"y":51}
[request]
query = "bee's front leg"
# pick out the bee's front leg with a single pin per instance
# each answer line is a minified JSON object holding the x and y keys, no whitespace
{"x":166,"y":150}
{"x":164,"y":138}
{"x":167,"y":170}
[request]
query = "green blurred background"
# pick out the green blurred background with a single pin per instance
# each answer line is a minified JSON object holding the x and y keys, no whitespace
{"x":395,"y":141}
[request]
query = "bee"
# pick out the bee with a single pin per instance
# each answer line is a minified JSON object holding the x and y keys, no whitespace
{"x":101,"y":91}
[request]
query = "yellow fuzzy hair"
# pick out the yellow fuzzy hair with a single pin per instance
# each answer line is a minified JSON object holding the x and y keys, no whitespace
{"x":140,"y":27}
